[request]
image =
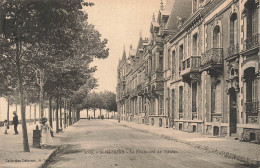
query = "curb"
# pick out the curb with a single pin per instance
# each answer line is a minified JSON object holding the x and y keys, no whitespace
{"x":47,"y":159}
{"x":246,"y":160}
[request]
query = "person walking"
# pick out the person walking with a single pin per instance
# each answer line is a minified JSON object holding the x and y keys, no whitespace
{"x":15,"y":122}
{"x":46,"y":132}
{"x":6,"y":126}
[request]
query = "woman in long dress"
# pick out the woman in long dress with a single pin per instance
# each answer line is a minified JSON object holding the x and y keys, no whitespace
{"x":46,"y":133}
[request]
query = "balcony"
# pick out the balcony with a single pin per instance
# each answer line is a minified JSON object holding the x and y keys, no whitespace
{"x":212,"y":60}
{"x":252,"y":107}
{"x":233,"y":51}
{"x":190,"y":68}
{"x":252,"y":42}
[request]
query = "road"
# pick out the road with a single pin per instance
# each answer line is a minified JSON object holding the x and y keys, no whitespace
{"x":98,"y":144}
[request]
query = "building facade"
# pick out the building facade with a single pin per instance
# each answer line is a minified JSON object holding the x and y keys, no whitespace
{"x":198,"y":71}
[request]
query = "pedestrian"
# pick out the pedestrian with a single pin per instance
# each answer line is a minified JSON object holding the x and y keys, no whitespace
{"x":46,"y":132}
{"x":15,"y":123}
{"x":6,"y":126}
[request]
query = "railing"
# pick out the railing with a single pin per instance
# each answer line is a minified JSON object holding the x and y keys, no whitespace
{"x":232,"y":50}
{"x":212,"y":57}
{"x":252,"y":41}
{"x":191,"y":64}
{"x":252,"y":107}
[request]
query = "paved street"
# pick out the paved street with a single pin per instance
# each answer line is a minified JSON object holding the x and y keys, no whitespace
{"x":98,"y":143}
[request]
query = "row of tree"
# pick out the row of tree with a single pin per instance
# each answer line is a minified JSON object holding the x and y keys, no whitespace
{"x":46,"y":48}
{"x":97,"y":101}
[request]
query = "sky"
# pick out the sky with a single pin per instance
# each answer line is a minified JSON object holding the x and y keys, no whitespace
{"x":121,"y":22}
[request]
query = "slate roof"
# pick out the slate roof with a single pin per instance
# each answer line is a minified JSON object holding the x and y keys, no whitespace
{"x":180,"y":8}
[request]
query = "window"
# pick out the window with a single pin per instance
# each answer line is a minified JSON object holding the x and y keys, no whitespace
{"x":152,"y":105}
{"x":216,"y":97}
{"x":216,"y":37}
{"x":154,"y":63}
{"x":194,"y":96}
{"x":161,"y":105}
{"x":233,"y":29}
{"x":180,"y":57}
{"x":252,"y":18}
{"x":251,"y":86}
{"x":181,"y":99}
{"x":173,"y":101}
{"x":173,"y":62}
{"x":168,"y":63}
{"x":195,"y":44}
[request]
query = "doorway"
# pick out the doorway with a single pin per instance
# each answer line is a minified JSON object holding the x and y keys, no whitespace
{"x":233,"y":110}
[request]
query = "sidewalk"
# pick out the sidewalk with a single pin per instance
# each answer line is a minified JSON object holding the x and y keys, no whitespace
{"x":11,"y":149}
{"x":242,"y":151}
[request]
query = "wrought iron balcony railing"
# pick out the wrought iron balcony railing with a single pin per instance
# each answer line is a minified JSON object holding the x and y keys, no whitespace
{"x":252,"y":107}
{"x":191,"y":64}
{"x":212,"y":58}
{"x":252,"y":42}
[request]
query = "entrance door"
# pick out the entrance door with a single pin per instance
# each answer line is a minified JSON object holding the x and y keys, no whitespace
{"x":233,"y":110}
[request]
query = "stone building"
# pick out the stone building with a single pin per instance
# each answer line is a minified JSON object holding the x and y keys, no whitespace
{"x":198,"y":71}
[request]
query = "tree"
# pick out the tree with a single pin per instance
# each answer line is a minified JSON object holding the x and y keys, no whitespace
{"x":42,"y":34}
{"x":110,"y":101}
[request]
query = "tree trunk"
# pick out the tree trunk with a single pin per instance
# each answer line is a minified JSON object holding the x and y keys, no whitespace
{"x":60,"y":114}
{"x":41,"y":101}
{"x":94,"y":113}
{"x":70,"y":122}
{"x":35,"y":113}
{"x":65,"y":115}
{"x":100,"y":113}
{"x":53,"y":114}
{"x":77,"y":115}
{"x":30,"y":112}
{"x":8,"y":109}
{"x":22,"y":102}
{"x":57,"y":115}
{"x":50,"y":112}
{"x":87,"y":113}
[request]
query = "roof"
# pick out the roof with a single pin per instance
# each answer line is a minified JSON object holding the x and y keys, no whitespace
{"x":180,"y":9}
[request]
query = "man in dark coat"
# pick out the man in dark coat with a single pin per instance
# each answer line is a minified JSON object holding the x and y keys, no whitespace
{"x":15,"y":122}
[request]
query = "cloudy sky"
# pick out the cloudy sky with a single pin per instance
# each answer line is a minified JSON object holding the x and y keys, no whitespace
{"x":120,"y":21}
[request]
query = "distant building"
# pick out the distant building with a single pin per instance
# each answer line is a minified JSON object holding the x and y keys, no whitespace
{"x":198,"y":71}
